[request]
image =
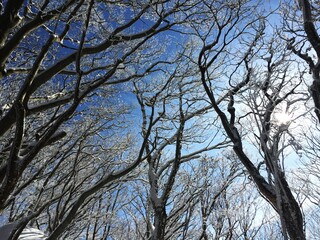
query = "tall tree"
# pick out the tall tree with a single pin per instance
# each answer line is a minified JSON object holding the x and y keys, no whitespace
{"x":267,"y":92}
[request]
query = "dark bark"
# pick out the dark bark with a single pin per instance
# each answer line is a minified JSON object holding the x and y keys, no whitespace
{"x":9,"y":18}
{"x":291,"y":212}
{"x":160,"y":223}
{"x":314,"y":39}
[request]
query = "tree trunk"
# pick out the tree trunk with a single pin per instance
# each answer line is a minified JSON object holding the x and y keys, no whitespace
{"x":291,"y":213}
{"x":159,"y":223}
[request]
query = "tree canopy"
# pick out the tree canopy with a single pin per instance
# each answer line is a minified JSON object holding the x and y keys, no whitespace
{"x":160,"y":119}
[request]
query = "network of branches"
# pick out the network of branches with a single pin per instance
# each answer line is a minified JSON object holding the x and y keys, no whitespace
{"x":160,"y":119}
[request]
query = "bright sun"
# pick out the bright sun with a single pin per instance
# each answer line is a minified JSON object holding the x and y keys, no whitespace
{"x":283,"y":118}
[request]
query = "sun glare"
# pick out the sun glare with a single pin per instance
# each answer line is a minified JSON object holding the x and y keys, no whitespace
{"x":283,"y":118}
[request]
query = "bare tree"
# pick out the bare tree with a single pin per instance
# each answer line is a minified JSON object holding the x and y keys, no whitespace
{"x":274,"y":89}
{"x":302,"y":25}
{"x":174,"y":131}
{"x":115,"y":117}
{"x":57,"y":58}
{"x":66,"y":65}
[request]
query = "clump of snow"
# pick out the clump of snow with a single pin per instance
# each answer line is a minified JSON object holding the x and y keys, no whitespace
{"x":27,"y":233}
{"x":32,"y":234}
